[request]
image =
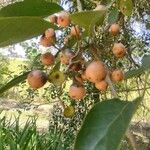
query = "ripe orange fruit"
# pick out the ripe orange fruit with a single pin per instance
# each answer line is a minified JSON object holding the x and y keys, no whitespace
{"x":36,"y":79}
{"x":77,"y":92}
{"x":119,"y":50}
{"x":117,"y":75}
{"x":102,"y":85}
{"x":46,"y":42}
{"x":114,"y":29}
{"x":53,"y":19}
{"x":63,"y":19}
{"x":75,"y":31}
{"x":95,"y":71}
{"x":66,"y":56}
{"x":47,"y":58}
{"x":50,"y":33}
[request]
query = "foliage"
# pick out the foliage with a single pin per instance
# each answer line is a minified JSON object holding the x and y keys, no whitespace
{"x":100,"y":133}
{"x":94,"y":43}
{"x":16,"y":137}
{"x":20,"y":24}
{"x":69,"y":127}
{"x":14,"y":82}
{"x":4,"y":70}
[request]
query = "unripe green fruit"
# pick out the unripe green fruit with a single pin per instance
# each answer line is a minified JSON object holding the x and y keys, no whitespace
{"x":69,"y":111}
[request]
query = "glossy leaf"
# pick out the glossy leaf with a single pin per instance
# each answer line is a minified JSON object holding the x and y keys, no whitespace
{"x":71,"y":42}
{"x":146,"y":62}
{"x":113,"y":15}
{"x":30,"y":8}
{"x":134,"y":73}
{"x":106,"y":2}
{"x":17,"y":29}
{"x":14,"y":82}
{"x":105,"y":125}
{"x":126,"y":7}
{"x":88,"y":19}
{"x":23,"y":20}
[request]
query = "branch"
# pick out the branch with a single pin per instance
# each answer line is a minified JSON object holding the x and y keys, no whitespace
{"x":79,"y":6}
{"x":95,"y":2}
{"x":113,"y":91}
{"x":131,"y":139}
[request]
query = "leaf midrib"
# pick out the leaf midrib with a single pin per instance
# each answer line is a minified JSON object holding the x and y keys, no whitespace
{"x":111,"y":123}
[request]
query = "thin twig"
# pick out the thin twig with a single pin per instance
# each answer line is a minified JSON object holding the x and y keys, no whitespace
{"x":131,"y":139}
{"x":145,"y":83}
{"x":79,"y":5}
{"x":95,"y":2}
{"x":113,"y":91}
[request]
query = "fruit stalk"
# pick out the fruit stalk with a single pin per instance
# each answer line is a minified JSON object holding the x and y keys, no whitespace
{"x":131,"y":139}
{"x":113,"y":91}
{"x":79,"y":5}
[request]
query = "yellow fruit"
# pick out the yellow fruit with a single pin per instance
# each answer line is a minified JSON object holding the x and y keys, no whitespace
{"x":117,"y":75}
{"x":57,"y":78}
{"x":95,"y":72}
{"x":47,"y":59}
{"x":114,"y":29}
{"x":69,"y":111}
{"x":119,"y":50}
{"x":77,"y":92}
{"x":36,"y":79}
{"x":63,"y":19}
{"x":102,"y":85}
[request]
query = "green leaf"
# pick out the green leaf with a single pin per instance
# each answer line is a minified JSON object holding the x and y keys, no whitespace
{"x":14,"y":82}
{"x":23,"y":20}
{"x":113,"y":15}
{"x":17,"y":29}
{"x":126,"y":7}
{"x":137,"y":72}
{"x":146,"y":62}
{"x":105,"y":125}
{"x":71,"y":42}
{"x":88,"y":19}
{"x":30,"y":8}
{"x":56,"y":67}
{"x":106,"y":2}
{"x":134,"y":73}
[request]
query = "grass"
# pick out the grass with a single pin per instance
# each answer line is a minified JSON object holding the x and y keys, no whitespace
{"x":15,"y":137}
{"x":14,"y":65}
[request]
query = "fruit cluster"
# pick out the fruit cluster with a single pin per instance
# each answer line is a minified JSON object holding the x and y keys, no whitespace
{"x":78,"y":68}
